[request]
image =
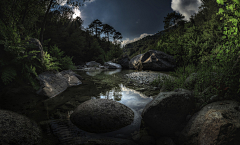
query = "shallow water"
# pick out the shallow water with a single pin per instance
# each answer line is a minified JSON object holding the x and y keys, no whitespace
{"x":53,"y":114}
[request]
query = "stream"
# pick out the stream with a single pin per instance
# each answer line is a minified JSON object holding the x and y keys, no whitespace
{"x":53,"y":114}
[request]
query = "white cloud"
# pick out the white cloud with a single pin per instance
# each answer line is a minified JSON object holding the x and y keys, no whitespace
{"x":76,"y":11}
{"x":186,"y":7}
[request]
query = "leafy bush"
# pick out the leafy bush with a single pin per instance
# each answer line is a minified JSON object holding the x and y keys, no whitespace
{"x":67,"y":63}
{"x":64,"y":62}
{"x":15,"y":61}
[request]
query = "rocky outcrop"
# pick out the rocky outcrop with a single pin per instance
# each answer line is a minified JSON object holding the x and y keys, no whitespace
{"x":153,"y":60}
{"x":101,"y":115}
{"x":52,"y":84}
{"x":135,"y":62}
{"x":111,"y":65}
{"x":168,"y":111}
{"x":93,"y":64}
{"x":35,"y":44}
{"x":216,"y":123}
{"x":124,"y":61}
{"x":18,"y":129}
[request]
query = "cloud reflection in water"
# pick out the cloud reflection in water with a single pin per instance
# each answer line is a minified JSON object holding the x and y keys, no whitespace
{"x":129,"y":97}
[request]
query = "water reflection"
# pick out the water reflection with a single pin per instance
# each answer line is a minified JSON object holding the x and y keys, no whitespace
{"x":112,"y":72}
{"x":129,"y":97}
{"x":93,"y":73}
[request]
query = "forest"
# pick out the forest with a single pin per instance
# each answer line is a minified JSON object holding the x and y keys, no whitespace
{"x":67,"y":44}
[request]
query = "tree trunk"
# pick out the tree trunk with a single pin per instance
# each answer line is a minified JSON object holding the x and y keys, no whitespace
{"x":44,"y":22}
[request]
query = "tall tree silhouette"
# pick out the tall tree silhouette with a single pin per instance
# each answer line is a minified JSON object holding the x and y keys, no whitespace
{"x":74,"y":24}
{"x":107,"y":29}
{"x":95,"y":25}
{"x":117,"y":36}
{"x":172,"y":17}
{"x":55,"y":4}
{"x":91,"y":28}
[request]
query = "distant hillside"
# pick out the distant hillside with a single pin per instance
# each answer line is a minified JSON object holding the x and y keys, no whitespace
{"x":138,"y":47}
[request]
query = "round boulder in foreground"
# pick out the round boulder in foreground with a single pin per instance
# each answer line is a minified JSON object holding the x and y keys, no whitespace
{"x":101,"y":115}
{"x":18,"y":130}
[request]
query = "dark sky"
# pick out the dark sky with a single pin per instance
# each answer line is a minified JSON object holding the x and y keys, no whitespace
{"x":135,"y":19}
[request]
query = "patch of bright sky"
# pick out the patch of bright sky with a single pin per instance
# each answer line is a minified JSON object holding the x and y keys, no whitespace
{"x":77,"y":12}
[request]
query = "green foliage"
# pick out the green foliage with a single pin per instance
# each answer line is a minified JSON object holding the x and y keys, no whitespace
{"x":8,"y":74}
{"x":56,"y":52}
{"x":67,"y":63}
{"x":50,"y":63}
{"x":15,"y":61}
{"x":220,"y":59}
{"x":97,"y":53}
{"x":232,"y":35}
{"x":155,"y":82}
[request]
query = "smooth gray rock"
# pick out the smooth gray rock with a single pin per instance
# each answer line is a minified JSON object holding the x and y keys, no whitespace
{"x":215,"y":123}
{"x":92,"y":64}
{"x":111,"y":65}
{"x":35,"y":44}
{"x":153,"y":60}
{"x":101,"y":115}
{"x":52,"y":84}
{"x":168,"y":111}
{"x":18,"y":130}
{"x":158,"y":60}
{"x":124,"y":61}
{"x":135,"y":61}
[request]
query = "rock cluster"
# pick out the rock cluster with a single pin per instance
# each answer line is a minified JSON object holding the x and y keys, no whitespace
{"x":153,"y":60}
{"x":95,"y":66}
{"x":145,"y":77}
{"x":172,"y":114}
{"x":52,"y":84}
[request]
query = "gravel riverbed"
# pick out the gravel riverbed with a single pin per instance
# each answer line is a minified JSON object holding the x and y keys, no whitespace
{"x":145,"y":77}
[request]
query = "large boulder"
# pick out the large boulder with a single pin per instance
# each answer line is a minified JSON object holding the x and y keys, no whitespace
{"x":92,"y":64}
{"x":135,"y":62}
{"x":101,"y":115}
{"x":216,"y":123}
{"x":111,"y":65}
{"x":153,"y":60}
{"x":16,"y":129}
{"x":52,"y":84}
{"x":34,"y":44}
{"x":166,"y":113}
{"x":124,"y":61}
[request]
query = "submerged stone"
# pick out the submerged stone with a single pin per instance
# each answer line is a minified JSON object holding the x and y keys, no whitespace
{"x":101,"y":115}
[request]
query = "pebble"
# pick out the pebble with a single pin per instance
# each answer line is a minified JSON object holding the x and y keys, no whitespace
{"x":143,"y":77}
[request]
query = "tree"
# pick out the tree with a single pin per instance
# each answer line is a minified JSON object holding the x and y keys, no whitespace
{"x":53,"y":4}
{"x":107,"y":29}
{"x":117,"y":36}
{"x":95,"y":25}
{"x":74,"y":24}
{"x":171,"y":17}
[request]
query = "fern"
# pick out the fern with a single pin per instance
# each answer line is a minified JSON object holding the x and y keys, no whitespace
{"x":49,"y":63}
{"x":8,"y":75}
